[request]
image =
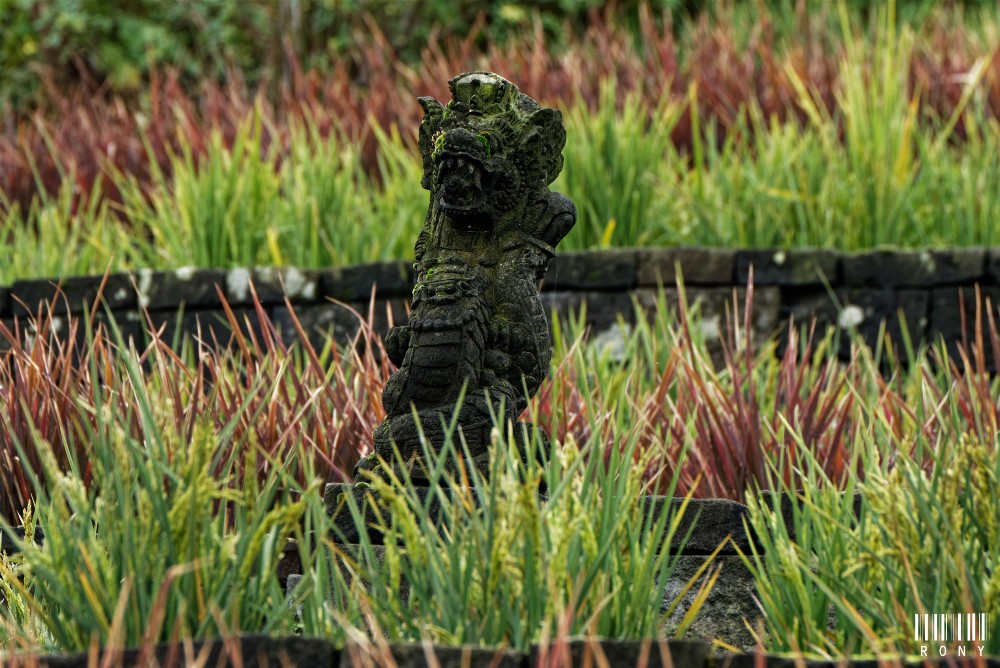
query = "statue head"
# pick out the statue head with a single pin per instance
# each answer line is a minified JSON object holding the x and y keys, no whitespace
{"x":487,"y":150}
{"x":481,"y":93}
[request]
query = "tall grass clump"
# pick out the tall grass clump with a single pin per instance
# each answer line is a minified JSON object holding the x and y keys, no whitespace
{"x":250,"y":202}
{"x":875,"y":166}
{"x":709,"y":400}
{"x":925,"y":542}
{"x":217,"y":211}
{"x":55,"y":382}
{"x":882,"y":105}
{"x":494,"y":562}
{"x":174,"y":535}
{"x":614,"y":161}
{"x":834,"y":581}
{"x":65,"y":234}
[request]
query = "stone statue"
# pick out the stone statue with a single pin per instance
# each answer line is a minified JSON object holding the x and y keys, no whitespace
{"x":477,"y":329}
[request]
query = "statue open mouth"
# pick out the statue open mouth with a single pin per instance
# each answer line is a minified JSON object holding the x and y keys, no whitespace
{"x":463,"y":180}
{"x":462,"y":189}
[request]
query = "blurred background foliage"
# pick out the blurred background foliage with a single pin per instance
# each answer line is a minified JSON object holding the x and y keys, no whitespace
{"x":129,"y":128}
{"x":117,"y":43}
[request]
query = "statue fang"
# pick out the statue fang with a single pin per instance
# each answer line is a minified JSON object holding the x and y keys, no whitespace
{"x":476,"y":325}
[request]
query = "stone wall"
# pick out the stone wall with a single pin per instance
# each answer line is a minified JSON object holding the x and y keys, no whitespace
{"x":925,"y":291}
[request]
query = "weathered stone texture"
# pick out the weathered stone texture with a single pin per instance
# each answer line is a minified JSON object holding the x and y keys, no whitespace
{"x":722,"y":615}
{"x":624,"y":653}
{"x":75,"y":293}
{"x":185,"y":287}
{"x":249,"y":651}
{"x":415,"y":655}
{"x":915,"y":268}
{"x":699,"y":266}
{"x":781,"y":267}
{"x":712,"y":523}
{"x":612,"y":270}
{"x":388,"y":280}
{"x":953,"y":313}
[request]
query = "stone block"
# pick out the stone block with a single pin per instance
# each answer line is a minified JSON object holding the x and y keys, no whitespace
{"x":206,"y":325}
{"x":346,"y":528}
{"x":711,"y":522}
{"x":250,"y":651}
{"x":991,"y":274}
{"x":699,"y":266}
{"x":187,"y":287}
{"x":788,"y":267}
{"x":390,"y":280}
{"x":785,"y":503}
{"x":602,"y":309}
{"x":8,"y":324}
{"x":606,"y":270}
{"x":77,"y":294}
{"x":650,"y":653}
{"x":11,"y":538}
{"x":914,"y":268}
{"x":722,"y":615}
{"x":72,"y":329}
{"x":716,"y":307}
{"x":862,"y":311}
{"x":416,"y":655}
{"x":387,"y":313}
{"x":866,"y":310}
{"x":131,"y":326}
{"x":320,"y":322}
{"x":958,"y":265}
{"x":271,"y":284}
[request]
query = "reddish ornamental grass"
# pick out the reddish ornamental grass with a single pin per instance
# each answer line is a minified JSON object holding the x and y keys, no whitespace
{"x":721,"y":427}
{"x":81,"y":132}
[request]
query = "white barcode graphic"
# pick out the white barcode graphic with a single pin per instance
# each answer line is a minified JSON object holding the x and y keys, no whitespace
{"x":954,"y":627}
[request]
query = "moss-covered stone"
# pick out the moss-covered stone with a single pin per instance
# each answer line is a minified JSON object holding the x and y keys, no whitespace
{"x":477,"y":330}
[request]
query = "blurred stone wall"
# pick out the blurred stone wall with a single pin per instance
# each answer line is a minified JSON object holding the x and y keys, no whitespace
{"x":921,"y":296}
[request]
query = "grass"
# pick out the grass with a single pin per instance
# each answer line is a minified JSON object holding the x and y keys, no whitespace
{"x":613,"y":165}
{"x":171,"y":536}
{"x":499,"y":565}
{"x":250,"y":428}
{"x":879,"y":142}
{"x":61,"y":235}
{"x":889,"y":183}
{"x":717,"y":426}
{"x":924,"y":543}
{"x":163,"y":524}
{"x":837,"y":583}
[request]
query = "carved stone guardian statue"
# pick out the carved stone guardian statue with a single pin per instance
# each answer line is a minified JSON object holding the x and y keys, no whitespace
{"x":477,"y":329}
